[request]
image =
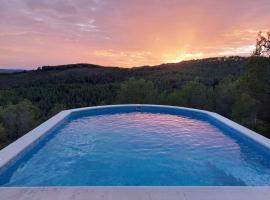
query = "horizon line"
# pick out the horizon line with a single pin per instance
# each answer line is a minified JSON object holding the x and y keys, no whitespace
{"x":29,"y":68}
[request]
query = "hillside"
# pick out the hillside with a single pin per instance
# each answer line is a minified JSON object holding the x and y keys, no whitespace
{"x":10,"y":71}
{"x":78,"y":85}
{"x":207,"y":70}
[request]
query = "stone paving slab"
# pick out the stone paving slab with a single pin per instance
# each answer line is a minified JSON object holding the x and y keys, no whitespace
{"x":135,"y":193}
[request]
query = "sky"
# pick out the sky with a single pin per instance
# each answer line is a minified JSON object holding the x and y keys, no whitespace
{"x":126,"y":33}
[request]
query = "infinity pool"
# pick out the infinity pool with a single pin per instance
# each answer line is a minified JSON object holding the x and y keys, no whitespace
{"x":139,"y":148}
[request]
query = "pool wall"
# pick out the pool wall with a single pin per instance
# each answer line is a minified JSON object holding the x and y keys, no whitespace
{"x":14,"y":151}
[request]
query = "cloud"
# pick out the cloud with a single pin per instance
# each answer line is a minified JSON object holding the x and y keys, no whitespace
{"x":242,"y":51}
{"x":120,"y":32}
{"x":88,"y":27}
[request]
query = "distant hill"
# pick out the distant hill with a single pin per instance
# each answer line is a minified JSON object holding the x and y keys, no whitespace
{"x":10,"y":71}
{"x":208,"y":71}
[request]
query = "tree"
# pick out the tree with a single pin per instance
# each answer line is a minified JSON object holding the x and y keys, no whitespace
{"x":224,"y":97}
{"x":137,"y":91}
{"x":244,"y":110}
{"x":258,"y":83}
{"x":3,"y":137}
{"x":19,"y":118}
{"x":56,"y":108}
{"x":192,"y":94}
{"x":262,"y":45}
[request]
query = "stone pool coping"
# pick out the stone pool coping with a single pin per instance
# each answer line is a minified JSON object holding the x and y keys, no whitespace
{"x":136,"y":193}
{"x":13,"y":151}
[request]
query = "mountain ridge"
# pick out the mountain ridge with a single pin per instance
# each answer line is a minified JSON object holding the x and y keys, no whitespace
{"x":209,"y":68}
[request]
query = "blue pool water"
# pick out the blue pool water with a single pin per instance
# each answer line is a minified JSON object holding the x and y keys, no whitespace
{"x":140,"y":149}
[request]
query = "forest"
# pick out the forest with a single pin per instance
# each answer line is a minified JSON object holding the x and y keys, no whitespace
{"x":235,"y":87}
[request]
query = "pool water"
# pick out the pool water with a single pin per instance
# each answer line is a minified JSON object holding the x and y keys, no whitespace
{"x":140,"y":149}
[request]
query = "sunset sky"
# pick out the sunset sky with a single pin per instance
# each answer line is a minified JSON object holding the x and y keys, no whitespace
{"x":126,"y":32}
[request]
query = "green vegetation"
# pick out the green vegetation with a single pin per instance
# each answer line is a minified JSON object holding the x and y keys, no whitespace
{"x":137,"y":91}
{"x":236,"y":87}
{"x":193,"y":94}
{"x":16,"y":120}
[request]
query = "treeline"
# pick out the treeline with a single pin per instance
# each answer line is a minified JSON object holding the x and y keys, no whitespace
{"x":235,"y":87}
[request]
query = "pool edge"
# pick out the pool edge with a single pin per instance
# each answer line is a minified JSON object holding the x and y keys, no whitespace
{"x":135,"y":193}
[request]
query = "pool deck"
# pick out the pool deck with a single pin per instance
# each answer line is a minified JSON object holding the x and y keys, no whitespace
{"x":135,"y":193}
